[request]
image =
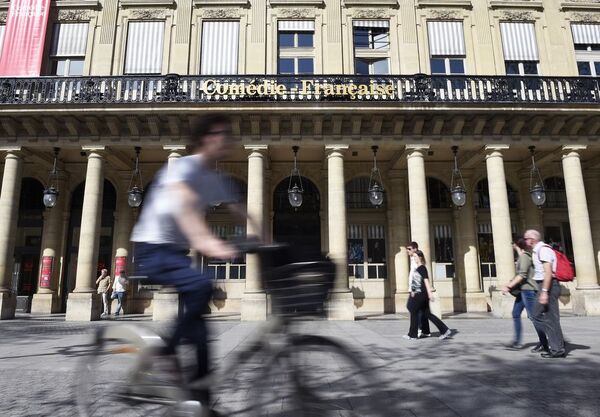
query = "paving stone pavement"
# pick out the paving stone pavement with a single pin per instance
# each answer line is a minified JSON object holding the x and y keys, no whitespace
{"x":470,"y":374}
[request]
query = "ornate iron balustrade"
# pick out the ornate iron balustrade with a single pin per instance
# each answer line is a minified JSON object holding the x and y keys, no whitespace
{"x":419,"y":88}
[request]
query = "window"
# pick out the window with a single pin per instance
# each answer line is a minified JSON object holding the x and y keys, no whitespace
{"x":556,"y":195}
{"x":486,"y":250}
{"x":371,"y":47}
{"x":521,"y":57}
{"x":144,"y":50}
{"x":438,"y":195}
{"x":586,"y":38}
{"x":366,"y":251}
{"x":220,"y":48}
{"x":296,"y":47}
{"x":447,"y":52}
{"x":226,"y":269}
{"x":357,"y":196}
{"x":67,"y":52}
{"x":443,"y":250}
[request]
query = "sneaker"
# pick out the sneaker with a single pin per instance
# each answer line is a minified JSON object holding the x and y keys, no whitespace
{"x":447,"y":334}
{"x":515,"y":345}
{"x":407,"y":337}
{"x":423,"y":335}
{"x":539,"y":348}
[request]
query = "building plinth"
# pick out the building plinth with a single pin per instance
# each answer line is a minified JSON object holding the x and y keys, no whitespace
{"x":45,"y":303}
{"x":85,"y":306}
{"x":165,"y":306}
{"x":476,"y":302}
{"x":254,"y":306}
{"x":502,"y":305}
{"x":8,"y":305}
{"x":586,"y":302}
{"x":340,"y":306}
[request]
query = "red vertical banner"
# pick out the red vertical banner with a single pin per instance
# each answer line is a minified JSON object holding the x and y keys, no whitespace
{"x":120,"y":265}
{"x":46,"y":272}
{"x":24,"y":38}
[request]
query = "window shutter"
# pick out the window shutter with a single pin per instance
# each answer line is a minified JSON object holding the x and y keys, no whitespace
{"x":446,"y":38}
{"x":69,"y":39}
{"x":354,"y":231}
{"x":220,"y":42}
{"x":587,"y":34}
{"x":144,"y":47}
{"x":519,"y":42}
{"x":371,"y":23}
{"x":296,"y":25}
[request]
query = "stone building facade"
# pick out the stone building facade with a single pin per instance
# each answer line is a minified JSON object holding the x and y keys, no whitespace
{"x":335,"y":78}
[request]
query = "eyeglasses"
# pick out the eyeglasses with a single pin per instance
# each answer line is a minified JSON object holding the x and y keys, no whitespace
{"x":220,"y":132}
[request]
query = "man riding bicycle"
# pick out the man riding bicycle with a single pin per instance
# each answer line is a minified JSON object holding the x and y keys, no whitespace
{"x":173,"y":221}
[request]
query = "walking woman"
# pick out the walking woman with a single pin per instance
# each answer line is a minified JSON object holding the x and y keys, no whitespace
{"x":420,"y":295}
{"x":525,"y":298}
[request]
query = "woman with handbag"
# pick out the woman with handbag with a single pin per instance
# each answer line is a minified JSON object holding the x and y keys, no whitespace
{"x":119,"y":288}
{"x":418,"y":302}
{"x":524,"y":289}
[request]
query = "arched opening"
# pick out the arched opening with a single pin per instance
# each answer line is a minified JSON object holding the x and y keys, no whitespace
{"x":438,"y":194}
{"x":357,"y":194}
{"x":28,"y":241}
{"x":302,"y":225}
{"x":109,"y":204}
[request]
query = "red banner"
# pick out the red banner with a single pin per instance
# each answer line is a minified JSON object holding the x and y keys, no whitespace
{"x":24,"y":38}
{"x":46,"y":272}
{"x":120,"y":265}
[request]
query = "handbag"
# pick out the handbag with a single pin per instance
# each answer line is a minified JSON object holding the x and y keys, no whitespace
{"x":516,"y":290}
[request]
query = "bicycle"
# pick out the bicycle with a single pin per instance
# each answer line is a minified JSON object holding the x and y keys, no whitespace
{"x":312,"y":375}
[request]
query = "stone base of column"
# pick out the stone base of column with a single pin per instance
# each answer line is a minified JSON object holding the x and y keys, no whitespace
{"x":435,"y":306}
{"x":254,"y":306}
{"x":502,"y":305}
{"x":45,"y":303}
{"x":400,"y":300}
{"x":165,"y":305}
{"x":586,"y":302}
{"x":340,"y":306}
{"x":8,"y":305}
{"x":476,"y":302}
{"x":83,"y":307}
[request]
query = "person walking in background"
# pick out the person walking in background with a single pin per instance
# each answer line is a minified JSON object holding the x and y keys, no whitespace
{"x":422,"y":321}
{"x":119,"y":288}
{"x":524,"y":288}
{"x":546,"y":315}
{"x":103,"y":283}
{"x":418,"y":302}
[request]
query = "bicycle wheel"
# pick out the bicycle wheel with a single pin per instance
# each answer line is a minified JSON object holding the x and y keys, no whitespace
{"x":316,"y":376}
{"x":112,"y":381}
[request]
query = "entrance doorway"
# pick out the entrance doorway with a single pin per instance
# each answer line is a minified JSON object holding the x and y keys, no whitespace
{"x":299,"y":226}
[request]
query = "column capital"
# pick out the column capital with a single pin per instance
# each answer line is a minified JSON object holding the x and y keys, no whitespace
{"x":332,"y":147}
{"x":417,"y":147}
{"x":17,"y":152}
{"x":257,"y":148}
{"x":495,"y":150}
{"x":97,"y":150}
{"x":175,"y":148}
{"x":572,"y":150}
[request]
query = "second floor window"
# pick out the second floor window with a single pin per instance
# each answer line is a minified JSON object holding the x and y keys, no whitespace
{"x":144,"y":51}
{"x":296,"y":47}
{"x":220,"y":47}
{"x":586,"y":38}
{"x":447,"y":50}
{"x":520,"y":48}
{"x":67,"y":52}
{"x":371,"y":47}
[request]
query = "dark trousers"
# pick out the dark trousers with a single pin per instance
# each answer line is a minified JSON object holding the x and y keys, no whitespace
{"x":547,"y":318}
{"x":170,"y":265}
{"x":419,"y":304}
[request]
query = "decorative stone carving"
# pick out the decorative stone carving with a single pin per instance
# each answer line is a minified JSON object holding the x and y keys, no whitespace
{"x":148,"y":14}
{"x":370,"y":14}
{"x":585,"y":17}
{"x":231,"y":13}
{"x":296,"y":13}
{"x":3,"y":17}
{"x":73,"y":15}
{"x":516,"y":15}
{"x":445,"y":14}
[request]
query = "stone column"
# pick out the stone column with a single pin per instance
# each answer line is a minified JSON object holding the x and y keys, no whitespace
{"x":46,"y":300}
{"x":586,"y":299}
{"x":398,"y":223}
{"x":254,"y":300}
{"x":9,"y":208}
{"x":592,"y":185}
{"x":501,"y":228}
{"x":532,"y":216}
{"x":467,"y":261}
{"x":341,"y":305}
{"x":165,"y":303}
{"x":83,"y":303}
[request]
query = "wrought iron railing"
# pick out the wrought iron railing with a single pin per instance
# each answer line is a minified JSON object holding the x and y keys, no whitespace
{"x":417,"y":88}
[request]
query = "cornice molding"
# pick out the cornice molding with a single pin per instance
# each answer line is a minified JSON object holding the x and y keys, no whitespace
{"x":147,"y":3}
{"x":228,"y":13}
{"x":354,"y":3}
{"x":371,"y":14}
{"x":213,"y":3}
{"x":445,"y":3}
{"x":296,"y":3}
{"x":580,"y":5}
{"x":517,"y":4}
{"x":296,"y":13}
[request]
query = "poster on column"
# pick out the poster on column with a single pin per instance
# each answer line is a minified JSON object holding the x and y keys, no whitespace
{"x":120,"y":265}
{"x":24,"y":38}
{"x":46,"y":272}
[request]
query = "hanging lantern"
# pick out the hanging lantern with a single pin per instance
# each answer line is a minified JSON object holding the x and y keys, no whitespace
{"x":51,"y":192}
{"x":375,"y":184}
{"x":135,"y":193}
{"x":294,"y":191}
{"x":536,"y":185}
{"x":458,"y":193}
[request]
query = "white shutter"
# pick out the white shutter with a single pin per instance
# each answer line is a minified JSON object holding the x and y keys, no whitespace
{"x":371,"y":23}
{"x":2,"y":28}
{"x":69,"y":39}
{"x":354,"y":231}
{"x":484,"y":228}
{"x":375,"y":231}
{"x":442,"y":231}
{"x":296,"y":25}
{"x":220,"y":41}
{"x":144,"y":47}
{"x":587,"y":34}
{"x":519,"y":42}
{"x":446,"y":38}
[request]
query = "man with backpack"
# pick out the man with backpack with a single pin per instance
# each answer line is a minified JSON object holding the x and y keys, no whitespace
{"x":546,"y":315}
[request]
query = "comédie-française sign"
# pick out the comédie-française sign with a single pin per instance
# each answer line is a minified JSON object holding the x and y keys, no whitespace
{"x":270,"y":88}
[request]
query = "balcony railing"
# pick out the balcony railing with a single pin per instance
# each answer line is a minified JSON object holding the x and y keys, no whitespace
{"x":418,"y":88}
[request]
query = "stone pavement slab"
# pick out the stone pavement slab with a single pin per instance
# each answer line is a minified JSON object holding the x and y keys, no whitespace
{"x":470,"y":374}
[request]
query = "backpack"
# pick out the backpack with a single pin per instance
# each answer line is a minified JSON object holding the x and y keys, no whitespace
{"x":564,"y":270}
